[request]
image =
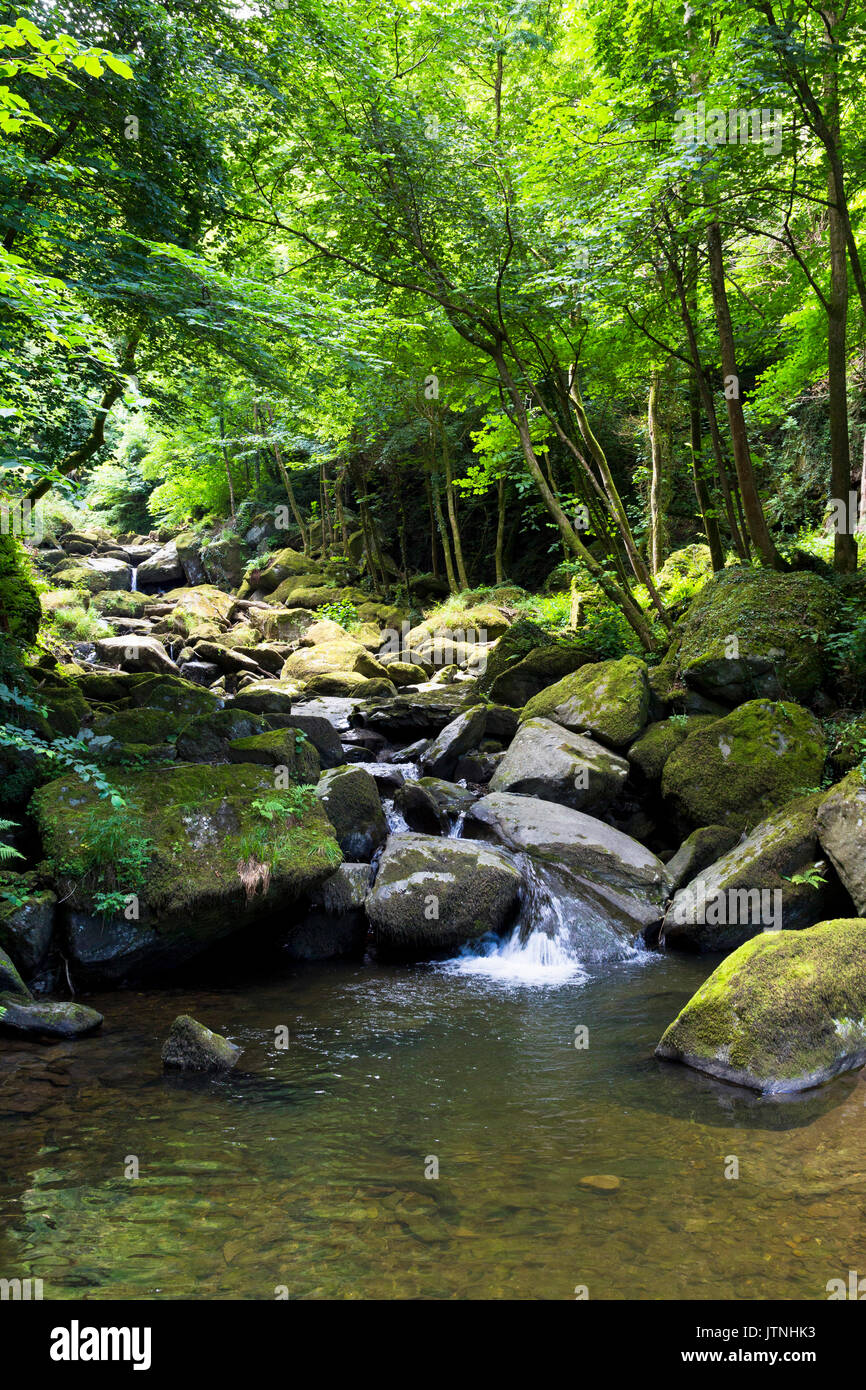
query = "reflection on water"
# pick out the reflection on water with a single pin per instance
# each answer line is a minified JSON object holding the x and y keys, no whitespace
{"x":306,"y":1167}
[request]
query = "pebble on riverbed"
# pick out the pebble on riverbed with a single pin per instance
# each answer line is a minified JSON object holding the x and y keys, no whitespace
{"x":190,"y":1046}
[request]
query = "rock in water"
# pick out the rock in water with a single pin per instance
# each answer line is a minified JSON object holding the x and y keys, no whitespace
{"x":190,"y":1046}
{"x":785,"y":1012}
{"x":432,"y":896}
{"x":45,"y":1018}
{"x":602,"y":887}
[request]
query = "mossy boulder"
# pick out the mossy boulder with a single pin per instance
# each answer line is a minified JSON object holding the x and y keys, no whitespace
{"x":432,"y":896}
{"x":188,"y":546}
{"x":224,"y":559}
{"x":171,"y":693}
{"x":737,"y":770}
{"x":339,"y":653}
{"x":755,"y":632}
{"x":43,"y":1018}
{"x":206,"y":738}
{"x":287,"y":749}
{"x":140,"y":726}
{"x":784,"y":1012}
{"x":20,"y":610}
{"x":651,"y":750}
{"x":203,"y":612}
{"x":751,"y":886}
{"x":550,"y":762}
{"x":26,"y":920}
{"x":352,"y":804}
{"x":188,"y":861}
{"x":607,"y":699}
{"x":540,"y":668}
{"x":12,"y":985}
{"x":120,"y":603}
{"x":190,"y":1046}
{"x":273,"y":569}
{"x":459,"y":736}
{"x":698,"y":850}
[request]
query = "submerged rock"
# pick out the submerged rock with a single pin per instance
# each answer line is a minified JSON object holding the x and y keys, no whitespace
{"x":785,"y":1012}
{"x":190,"y":1046}
{"x":737,"y":770}
{"x":609,"y":700}
{"x":549,"y":762}
{"x":432,"y":896}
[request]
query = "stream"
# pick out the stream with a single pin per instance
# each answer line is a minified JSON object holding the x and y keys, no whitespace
{"x":305,"y":1171}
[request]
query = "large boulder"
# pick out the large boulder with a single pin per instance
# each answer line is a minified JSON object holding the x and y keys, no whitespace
{"x":606,"y":888}
{"x":136,"y":652}
{"x":527,"y":659}
{"x":162,"y":568}
{"x":223,"y":560}
{"x":432,"y":896}
{"x":352,"y":804}
{"x":274,"y":568}
{"x":651,"y":750}
{"x":26,"y":921}
{"x":195,"y":855}
{"x":785,"y":1012}
{"x":607,"y":699}
{"x":203,"y":612}
{"x":842,"y":832}
{"x":750,"y":887}
{"x":287,"y":749}
{"x":188,"y":548}
{"x":755,"y":632}
{"x":117,"y":572}
{"x":336,"y":654}
{"x":737,"y":770}
{"x":548,"y":761}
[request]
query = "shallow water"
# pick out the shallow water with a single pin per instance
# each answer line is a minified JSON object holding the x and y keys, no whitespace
{"x":306,"y":1167}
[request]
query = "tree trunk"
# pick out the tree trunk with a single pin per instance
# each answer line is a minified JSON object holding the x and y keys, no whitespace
{"x":500,"y":531}
{"x":658,"y":483}
{"x":755,"y":519}
{"x":702,"y":494}
{"x":452,"y":513}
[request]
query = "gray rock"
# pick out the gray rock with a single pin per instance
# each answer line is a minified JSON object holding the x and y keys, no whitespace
{"x":162,"y":568}
{"x":548,"y":761}
{"x":462,"y":734}
{"x":431,"y":895}
{"x":44,"y":1018}
{"x":842,"y":833}
{"x":352,"y":804}
{"x":140,"y":652}
{"x":700,"y":849}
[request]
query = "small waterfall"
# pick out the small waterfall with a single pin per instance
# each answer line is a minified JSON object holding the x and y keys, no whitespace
{"x":539,"y":950}
{"x":455,"y":830}
{"x":133,"y":581}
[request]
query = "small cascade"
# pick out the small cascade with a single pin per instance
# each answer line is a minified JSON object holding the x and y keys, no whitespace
{"x":455,"y":830}
{"x":133,"y":581}
{"x":539,"y":950}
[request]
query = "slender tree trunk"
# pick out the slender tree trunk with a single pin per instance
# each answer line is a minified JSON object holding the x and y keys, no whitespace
{"x":452,"y":513}
{"x":658,"y":483}
{"x":96,"y":439}
{"x":702,"y":493}
{"x":500,"y":530}
{"x":755,"y":519}
{"x":287,"y":484}
{"x":227,"y":462}
{"x":619,"y":596}
{"x":434,"y":555}
{"x":443,"y":536}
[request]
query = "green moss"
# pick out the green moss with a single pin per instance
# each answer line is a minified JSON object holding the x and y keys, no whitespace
{"x":651,"y":750}
{"x":609,"y":699}
{"x":737,"y":770}
{"x":196,"y":818}
{"x":284,"y":748}
{"x":20,"y":610}
{"x":785,"y":1010}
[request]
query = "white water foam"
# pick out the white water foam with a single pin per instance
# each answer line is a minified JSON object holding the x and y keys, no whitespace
{"x":538,"y":959}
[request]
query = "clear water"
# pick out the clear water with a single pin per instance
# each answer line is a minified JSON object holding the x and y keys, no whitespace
{"x":305,"y":1168}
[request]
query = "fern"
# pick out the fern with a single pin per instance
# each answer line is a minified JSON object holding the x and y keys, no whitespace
{"x":6,"y":851}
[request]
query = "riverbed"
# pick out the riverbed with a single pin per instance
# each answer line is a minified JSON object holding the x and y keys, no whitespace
{"x":311,"y":1170}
